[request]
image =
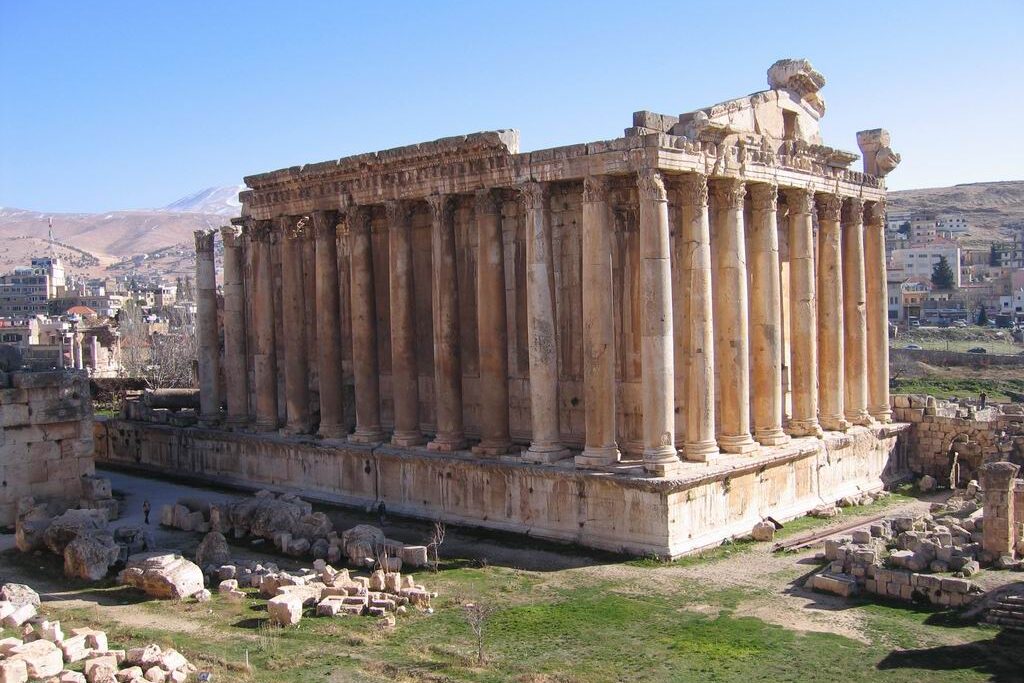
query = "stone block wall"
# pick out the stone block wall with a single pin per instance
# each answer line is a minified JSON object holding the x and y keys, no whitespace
{"x":46,"y":444}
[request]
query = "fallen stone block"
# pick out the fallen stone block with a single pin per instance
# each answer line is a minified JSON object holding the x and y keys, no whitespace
{"x":74,"y":677}
{"x":18,"y":594}
{"x":172,"y":660}
{"x":100,"y":668}
{"x":13,"y":671}
{"x":19,"y":615}
{"x":75,"y":649}
{"x":90,"y":555}
{"x":163,"y":575}
{"x":285,"y":610}
{"x":50,"y":630}
{"x":763,"y":531}
{"x":155,"y":674}
{"x":8,"y":644}
{"x":96,"y":640}
{"x":42,"y":658}
{"x":130,"y":674}
{"x":843,"y":586}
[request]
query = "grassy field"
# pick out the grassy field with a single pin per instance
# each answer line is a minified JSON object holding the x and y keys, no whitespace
{"x":997,"y":390}
{"x":958,"y":339}
{"x":595,"y":621}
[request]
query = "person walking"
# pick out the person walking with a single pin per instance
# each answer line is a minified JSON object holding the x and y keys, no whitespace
{"x":145,"y":511}
{"x":982,"y":398}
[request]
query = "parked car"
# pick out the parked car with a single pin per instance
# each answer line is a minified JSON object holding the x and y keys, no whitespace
{"x":977,"y":349}
{"x":913,"y":347}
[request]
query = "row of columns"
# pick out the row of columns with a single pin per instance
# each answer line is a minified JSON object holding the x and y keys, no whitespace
{"x":728,"y":339}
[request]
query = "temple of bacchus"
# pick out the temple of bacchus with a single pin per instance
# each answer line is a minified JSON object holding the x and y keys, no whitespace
{"x":644,"y":344}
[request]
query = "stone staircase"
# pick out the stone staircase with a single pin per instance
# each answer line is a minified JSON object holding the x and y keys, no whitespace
{"x":1007,"y":611}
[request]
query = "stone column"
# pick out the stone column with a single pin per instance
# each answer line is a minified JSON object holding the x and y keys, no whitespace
{"x":328,"y":322}
{"x":364,"y":329}
{"x":236,"y":372}
{"x":855,"y":341}
{"x":601,"y":447}
{"x":404,"y":374}
{"x":732,"y":345}
{"x":447,"y":350}
{"x":831,"y":388}
{"x":877,"y":323}
{"x":699,"y":333}
{"x":803,"y":330}
{"x":546,"y":445}
{"x":206,"y":328}
{"x":998,"y":533}
{"x":656,"y":354}
{"x":766,"y":316}
{"x":264,"y":315}
{"x":492,"y":327}
{"x":293,"y":303}
{"x":79,"y":354}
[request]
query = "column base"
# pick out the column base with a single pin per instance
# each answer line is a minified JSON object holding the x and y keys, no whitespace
{"x":296,"y":430}
{"x":493,"y":448}
{"x":545,"y":453}
{"x":597,"y":457}
{"x":834,"y":424}
{"x":799,"y":428}
{"x":662,"y":461}
{"x":740,"y":444}
{"x":862,"y":419}
{"x":366,"y":436}
{"x":237,"y":421}
{"x":883,"y":415}
{"x":209,"y":420}
{"x":266,"y":426}
{"x":701,"y":451}
{"x":447,"y":443}
{"x":331,"y":432}
{"x":407,"y":439}
{"x":772,"y":437}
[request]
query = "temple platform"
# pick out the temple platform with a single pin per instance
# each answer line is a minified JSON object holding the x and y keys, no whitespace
{"x":620,"y":509}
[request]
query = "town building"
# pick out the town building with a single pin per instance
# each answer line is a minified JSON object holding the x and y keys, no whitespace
{"x":27,"y":291}
{"x":920,"y":261}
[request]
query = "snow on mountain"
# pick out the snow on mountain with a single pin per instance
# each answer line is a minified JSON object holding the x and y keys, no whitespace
{"x":220,"y":201}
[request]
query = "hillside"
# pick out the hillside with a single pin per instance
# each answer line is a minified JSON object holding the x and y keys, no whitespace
{"x":995,"y":210}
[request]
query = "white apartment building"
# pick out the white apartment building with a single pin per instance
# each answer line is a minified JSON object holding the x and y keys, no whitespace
{"x":919,"y":261}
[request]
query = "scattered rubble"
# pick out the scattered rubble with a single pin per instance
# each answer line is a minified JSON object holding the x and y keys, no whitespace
{"x":162,"y":575}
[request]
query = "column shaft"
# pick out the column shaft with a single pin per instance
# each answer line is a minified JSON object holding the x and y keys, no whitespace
{"x":855,"y":342}
{"x":447,"y":349}
{"x":293,"y":304}
{"x":404,"y":372}
{"x":803,"y":317}
{"x":877,"y":323}
{"x":206,"y":329}
{"x":601,"y":447}
{"x":492,"y":327}
{"x":364,"y":329}
{"x":264,"y":315}
{"x":766,"y":316}
{"x":830,"y":314}
{"x":328,"y":322}
{"x":236,"y":373}
{"x":732,"y":346}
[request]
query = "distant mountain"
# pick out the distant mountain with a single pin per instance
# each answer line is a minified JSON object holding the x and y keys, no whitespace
{"x":219,"y":201}
{"x":995,"y":210}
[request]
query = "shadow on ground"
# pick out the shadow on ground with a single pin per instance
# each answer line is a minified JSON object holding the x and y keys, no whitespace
{"x":1001,"y":658}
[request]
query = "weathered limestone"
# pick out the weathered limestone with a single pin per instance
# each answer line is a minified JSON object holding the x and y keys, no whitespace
{"x":830,"y":315}
{"x":803,"y":316}
{"x":492,"y":327}
{"x":877,"y":313}
{"x":999,"y":533}
{"x":206,"y":328}
{"x":765,"y":316}
{"x":732,"y":343}
{"x":855,"y":342}
{"x":601,"y":447}
{"x":296,"y":360}
{"x":447,"y":348}
{"x":364,"y":329}
{"x":699,"y":334}
{"x":328,"y":325}
{"x":263,"y":315}
{"x":546,"y":445}
{"x":236,"y":374}
{"x":404,"y":373}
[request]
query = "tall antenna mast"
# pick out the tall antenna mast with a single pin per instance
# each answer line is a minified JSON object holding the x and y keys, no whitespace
{"x":51,"y":237}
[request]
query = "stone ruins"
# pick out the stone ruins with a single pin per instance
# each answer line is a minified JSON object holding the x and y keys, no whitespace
{"x":645,"y":344}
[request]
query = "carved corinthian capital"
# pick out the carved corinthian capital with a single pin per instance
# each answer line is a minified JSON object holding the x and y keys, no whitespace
{"x":875,"y":215}
{"x":323,"y":224}
{"x":694,"y":190}
{"x":357,"y":219}
{"x":729,"y":193}
{"x":853,"y":210}
{"x":533,"y":194}
{"x":764,"y":196}
{"x":441,"y":207}
{"x":298,"y":228}
{"x":650,"y":185}
{"x":595,"y":188}
{"x":799,"y":201}
{"x":397,"y":213}
{"x":830,"y":207}
{"x":232,"y":236}
{"x":486,"y":202}
{"x":204,"y":241}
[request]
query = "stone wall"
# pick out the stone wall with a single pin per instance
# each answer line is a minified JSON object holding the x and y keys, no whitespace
{"x":940,"y":428}
{"x":46,"y":444}
{"x":956,"y":358}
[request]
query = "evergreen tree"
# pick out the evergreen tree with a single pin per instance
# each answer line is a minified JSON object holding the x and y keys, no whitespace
{"x":994,"y":256}
{"x":982,"y":316}
{"x":942,"y":274}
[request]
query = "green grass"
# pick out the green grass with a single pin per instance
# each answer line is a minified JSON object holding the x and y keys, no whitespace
{"x":947,"y":387}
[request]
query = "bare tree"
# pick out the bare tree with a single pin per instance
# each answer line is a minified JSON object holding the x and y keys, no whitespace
{"x":163,"y":360}
{"x":436,"y":540}
{"x":477,"y":615}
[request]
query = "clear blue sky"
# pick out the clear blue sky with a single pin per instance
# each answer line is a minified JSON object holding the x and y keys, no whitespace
{"x":107,"y":105}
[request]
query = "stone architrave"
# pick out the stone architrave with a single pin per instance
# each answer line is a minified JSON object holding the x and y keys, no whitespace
{"x":296,"y":362}
{"x":657,"y":362}
{"x":699,"y":345}
{"x":732,"y":344}
{"x":364,"y":329}
{"x":263,"y":313}
{"x":831,"y":386}
{"x":803,"y":326}
{"x":877,"y":317}
{"x":855,"y":342}
{"x":492,"y":327}
{"x":447,"y":348}
{"x":206,"y":328}
{"x":766,"y":316}
{"x":546,"y":445}
{"x":404,"y":372}
{"x":236,"y":374}
{"x":601,"y":447}
{"x":328,"y":323}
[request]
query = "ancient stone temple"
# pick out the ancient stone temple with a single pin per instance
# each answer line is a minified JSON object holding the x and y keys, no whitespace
{"x":644,"y":344}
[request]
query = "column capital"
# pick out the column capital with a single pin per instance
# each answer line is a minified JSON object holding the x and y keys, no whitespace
{"x":829,"y":207}
{"x":355,"y":220}
{"x":398,"y":212}
{"x":875,"y":213}
{"x":441,"y":206}
{"x":651,"y":185}
{"x":486,"y":201}
{"x":204,"y":240}
{"x":533,"y":194}
{"x":694,"y":189}
{"x":764,"y":196}
{"x":853,"y":210}
{"x":595,"y":188}
{"x":323,"y":224}
{"x":729,"y":193}
{"x":799,"y":200}
{"x":259,"y":231}
{"x":232,"y":236}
